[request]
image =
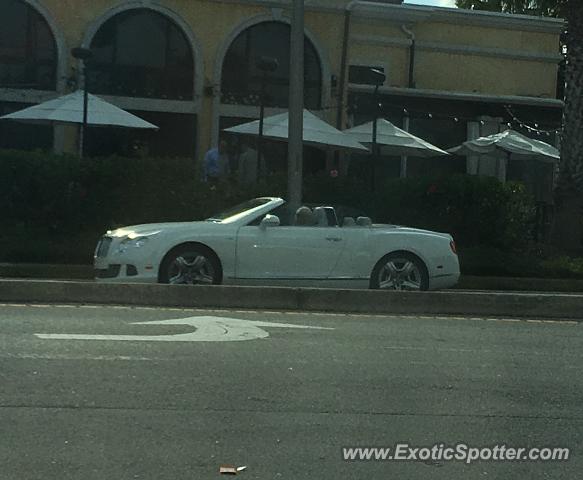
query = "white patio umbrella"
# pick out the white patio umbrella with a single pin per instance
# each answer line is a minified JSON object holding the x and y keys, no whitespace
{"x":511,"y":145}
{"x":69,"y":109}
{"x":316,"y":132}
{"x":391,"y":140}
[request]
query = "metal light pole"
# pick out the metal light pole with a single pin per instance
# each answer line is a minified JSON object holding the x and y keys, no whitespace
{"x":378,"y":78}
{"x":403,"y":172}
{"x":266,"y":65}
{"x":296,"y":107}
{"x":83,"y":54}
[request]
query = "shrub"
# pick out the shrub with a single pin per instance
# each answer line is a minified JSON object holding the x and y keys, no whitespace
{"x":563,"y":267}
{"x":475,"y":210}
{"x":56,"y":197}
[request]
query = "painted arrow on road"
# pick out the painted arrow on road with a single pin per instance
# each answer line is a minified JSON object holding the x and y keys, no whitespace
{"x":208,"y":329}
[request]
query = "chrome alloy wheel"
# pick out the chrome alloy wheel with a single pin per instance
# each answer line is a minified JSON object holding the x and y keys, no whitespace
{"x":192,"y":269}
{"x":400,"y":273}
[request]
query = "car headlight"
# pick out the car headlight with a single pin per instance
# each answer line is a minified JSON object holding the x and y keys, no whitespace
{"x":134,"y":241}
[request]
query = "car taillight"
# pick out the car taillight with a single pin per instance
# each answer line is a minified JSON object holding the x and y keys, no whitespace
{"x":453,"y":247}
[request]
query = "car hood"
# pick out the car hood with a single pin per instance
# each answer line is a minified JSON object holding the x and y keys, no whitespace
{"x":150,"y":228}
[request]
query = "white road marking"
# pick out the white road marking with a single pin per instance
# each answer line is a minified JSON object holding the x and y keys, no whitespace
{"x":56,"y":356}
{"x":208,"y":329}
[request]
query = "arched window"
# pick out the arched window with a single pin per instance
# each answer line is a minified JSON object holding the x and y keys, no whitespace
{"x":241,"y":79}
{"x":142,"y":53}
{"x":28,"y":51}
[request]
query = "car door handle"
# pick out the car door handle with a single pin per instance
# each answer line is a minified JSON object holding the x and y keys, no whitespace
{"x":333,"y":239}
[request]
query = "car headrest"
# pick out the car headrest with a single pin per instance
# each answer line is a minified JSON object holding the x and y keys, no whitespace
{"x":348,"y":222}
{"x":364,"y":221}
{"x":321,"y":219}
{"x":304,"y":217}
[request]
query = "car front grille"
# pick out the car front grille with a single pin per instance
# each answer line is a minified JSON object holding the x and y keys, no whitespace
{"x":103,"y":246}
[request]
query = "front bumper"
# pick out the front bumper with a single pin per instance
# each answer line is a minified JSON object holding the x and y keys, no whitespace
{"x":116,"y":273}
{"x":111,"y":265}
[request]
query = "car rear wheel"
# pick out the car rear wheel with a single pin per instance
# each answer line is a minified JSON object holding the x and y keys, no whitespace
{"x":399,"y":271}
{"x":190,"y":265}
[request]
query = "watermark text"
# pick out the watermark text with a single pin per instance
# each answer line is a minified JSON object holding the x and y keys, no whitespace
{"x":461,"y":452}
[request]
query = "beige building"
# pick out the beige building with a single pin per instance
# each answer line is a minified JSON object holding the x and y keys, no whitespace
{"x":189,"y":66}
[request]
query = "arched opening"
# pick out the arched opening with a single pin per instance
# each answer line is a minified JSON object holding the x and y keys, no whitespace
{"x":241,"y":85}
{"x":142,"y":53}
{"x":145,"y":54}
{"x":28,"y":51}
{"x":28,"y":61}
{"x":241,"y":79}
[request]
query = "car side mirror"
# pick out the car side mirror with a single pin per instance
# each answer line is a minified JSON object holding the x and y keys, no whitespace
{"x":269,"y":221}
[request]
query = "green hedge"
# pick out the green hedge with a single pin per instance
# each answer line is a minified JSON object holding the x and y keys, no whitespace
{"x":54,"y":207}
{"x":475,"y":210}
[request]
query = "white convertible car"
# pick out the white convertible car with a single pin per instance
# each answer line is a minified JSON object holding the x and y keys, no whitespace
{"x":261,"y":243}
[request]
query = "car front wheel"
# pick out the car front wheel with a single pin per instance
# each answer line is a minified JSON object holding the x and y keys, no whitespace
{"x":399,"y":271}
{"x":190,"y":265}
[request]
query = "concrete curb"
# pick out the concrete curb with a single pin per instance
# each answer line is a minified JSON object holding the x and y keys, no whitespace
{"x":567,"y":306}
{"x":52,"y":271}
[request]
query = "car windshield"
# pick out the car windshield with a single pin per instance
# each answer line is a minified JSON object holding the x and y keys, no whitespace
{"x":238,"y":210}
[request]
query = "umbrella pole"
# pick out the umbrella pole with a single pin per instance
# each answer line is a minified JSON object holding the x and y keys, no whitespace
{"x":259,"y":145}
{"x":260,"y":136}
{"x":374,"y":154}
{"x":265,"y":64}
{"x":83,"y":133}
{"x":374,"y":137}
{"x":84,"y":55}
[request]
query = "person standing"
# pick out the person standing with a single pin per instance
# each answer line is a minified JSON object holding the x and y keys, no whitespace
{"x":248,"y":166}
{"x":216,"y":163}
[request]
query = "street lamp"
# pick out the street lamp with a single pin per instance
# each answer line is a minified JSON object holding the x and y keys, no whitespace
{"x":377,"y":79}
{"x":266,"y":65}
{"x":83,"y":54}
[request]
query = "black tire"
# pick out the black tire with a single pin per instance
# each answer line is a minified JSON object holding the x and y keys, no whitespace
{"x":191,"y":265}
{"x":400,"y":271}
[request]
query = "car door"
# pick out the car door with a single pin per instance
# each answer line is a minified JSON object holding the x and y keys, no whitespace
{"x":293,"y":252}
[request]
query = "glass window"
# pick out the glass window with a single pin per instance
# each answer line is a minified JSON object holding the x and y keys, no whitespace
{"x":141,"y":53}
{"x":444,"y":133}
{"x":237,"y":210}
{"x":241,"y":79}
{"x":28,"y":53}
{"x":282,"y":212}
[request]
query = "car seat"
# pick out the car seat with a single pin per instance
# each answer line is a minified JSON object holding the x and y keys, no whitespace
{"x":364,"y":221}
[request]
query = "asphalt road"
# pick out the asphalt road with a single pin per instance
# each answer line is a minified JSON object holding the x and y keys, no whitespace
{"x":285,"y":404}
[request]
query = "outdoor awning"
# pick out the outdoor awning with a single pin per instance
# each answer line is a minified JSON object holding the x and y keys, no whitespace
{"x":394,"y":141}
{"x":510,"y":144}
{"x":69,"y":109}
{"x":316,"y":132}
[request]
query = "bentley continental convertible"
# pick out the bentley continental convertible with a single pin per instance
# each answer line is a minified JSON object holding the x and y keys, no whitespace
{"x":262,"y":242}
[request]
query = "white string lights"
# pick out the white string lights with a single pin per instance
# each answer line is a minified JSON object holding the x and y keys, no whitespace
{"x":514,"y":122}
{"x":531,"y":128}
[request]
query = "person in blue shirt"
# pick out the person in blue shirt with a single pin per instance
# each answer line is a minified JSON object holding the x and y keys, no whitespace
{"x":216,"y":163}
